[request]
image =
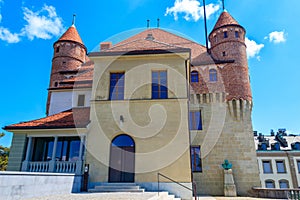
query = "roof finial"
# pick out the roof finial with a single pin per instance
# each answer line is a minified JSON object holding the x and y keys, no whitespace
{"x":157,"y":22}
{"x":223,"y":3}
{"x":148,"y":23}
{"x":74,"y":17}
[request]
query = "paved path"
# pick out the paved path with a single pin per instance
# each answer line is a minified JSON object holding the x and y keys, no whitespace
{"x":125,"y":196}
{"x":99,"y":196}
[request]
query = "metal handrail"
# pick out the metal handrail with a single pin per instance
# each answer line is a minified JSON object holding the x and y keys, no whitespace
{"x":194,"y":190}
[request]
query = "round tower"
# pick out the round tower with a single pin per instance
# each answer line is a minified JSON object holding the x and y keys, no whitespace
{"x":227,"y":41}
{"x":69,"y":55}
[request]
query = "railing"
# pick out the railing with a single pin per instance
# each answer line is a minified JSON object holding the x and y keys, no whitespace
{"x":49,"y":166}
{"x":38,"y":167}
{"x":293,"y":194}
{"x":194,"y":189}
{"x":65,"y":167}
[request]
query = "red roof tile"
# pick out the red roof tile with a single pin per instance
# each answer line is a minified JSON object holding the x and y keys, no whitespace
{"x":71,"y":35}
{"x":161,"y":40}
{"x":73,"y":118}
{"x":225,"y":19}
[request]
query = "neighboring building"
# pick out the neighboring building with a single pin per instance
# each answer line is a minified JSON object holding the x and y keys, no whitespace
{"x":155,"y":102}
{"x":279,"y":161}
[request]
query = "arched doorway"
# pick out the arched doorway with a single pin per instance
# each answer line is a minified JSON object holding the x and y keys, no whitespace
{"x":122,"y":159}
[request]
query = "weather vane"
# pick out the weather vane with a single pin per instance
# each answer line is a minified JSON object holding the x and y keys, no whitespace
{"x":223,"y":3}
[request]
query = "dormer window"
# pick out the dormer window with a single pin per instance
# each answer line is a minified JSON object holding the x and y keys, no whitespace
{"x":225,"y":34}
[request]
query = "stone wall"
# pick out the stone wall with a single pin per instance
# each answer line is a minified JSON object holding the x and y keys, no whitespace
{"x":20,"y":185}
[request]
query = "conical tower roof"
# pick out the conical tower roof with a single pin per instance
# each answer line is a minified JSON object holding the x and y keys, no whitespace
{"x":71,"y":35}
{"x":225,"y":19}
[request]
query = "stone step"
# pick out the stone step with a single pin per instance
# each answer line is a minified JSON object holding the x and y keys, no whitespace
{"x":117,"y":187}
{"x":164,"y":196}
{"x":115,"y":190}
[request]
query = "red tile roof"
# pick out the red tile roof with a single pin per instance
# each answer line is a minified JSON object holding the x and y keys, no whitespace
{"x":71,"y":35}
{"x":73,"y":118}
{"x":162,"y":40}
{"x":225,"y":19}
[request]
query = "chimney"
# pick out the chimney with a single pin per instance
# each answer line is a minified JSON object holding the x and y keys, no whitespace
{"x":105,"y":45}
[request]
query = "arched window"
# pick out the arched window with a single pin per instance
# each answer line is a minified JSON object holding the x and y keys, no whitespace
{"x":123,"y":141}
{"x":284,"y":184}
{"x":194,"y":77}
{"x":213,"y":77}
{"x":270,"y":184}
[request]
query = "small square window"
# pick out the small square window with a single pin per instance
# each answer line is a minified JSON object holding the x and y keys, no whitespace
{"x":280,"y":165}
{"x":267,"y":167}
{"x":225,"y":34}
{"x":81,"y":99}
{"x":237,"y":34}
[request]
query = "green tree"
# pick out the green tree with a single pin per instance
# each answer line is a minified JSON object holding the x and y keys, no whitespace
{"x":4,"y":152}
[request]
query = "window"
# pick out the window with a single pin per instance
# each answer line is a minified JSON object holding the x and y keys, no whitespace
{"x":267,"y":167}
{"x":284,"y":184}
{"x":270,"y":184}
{"x":196,"y":159}
{"x":280,"y":165}
{"x":225,"y":34}
{"x":67,"y":149}
{"x":298,"y":164}
{"x":81,"y":99}
{"x":237,"y":35}
{"x":194,"y":77}
{"x":57,"y":49}
{"x":213,"y":75}
{"x":224,"y":53}
{"x":159,"y":85}
{"x":195,"y":120}
{"x":116,"y":91}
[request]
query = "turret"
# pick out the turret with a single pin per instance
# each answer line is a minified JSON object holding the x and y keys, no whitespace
{"x":227,"y":41}
{"x":69,"y":55}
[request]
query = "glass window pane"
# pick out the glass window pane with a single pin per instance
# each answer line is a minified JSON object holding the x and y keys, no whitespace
{"x":280,"y":166}
{"x":267,"y":167}
{"x":116,"y":86}
{"x":74,"y":150}
{"x":196,"y":159}
{"x":159,"y":85}
{"x":283,"y":184}
{"x":270,"y":184}
{"x":298,"y":163}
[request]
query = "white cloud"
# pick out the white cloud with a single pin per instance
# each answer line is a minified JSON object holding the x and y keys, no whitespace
{"x":9,"y":37}
{"x":191,"y":9}
{"x":277,"y":37}
{"x":42,"y":24}
{"x":253,"y":48}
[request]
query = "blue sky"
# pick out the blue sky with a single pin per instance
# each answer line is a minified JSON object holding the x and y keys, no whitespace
{"x":28,"y":29}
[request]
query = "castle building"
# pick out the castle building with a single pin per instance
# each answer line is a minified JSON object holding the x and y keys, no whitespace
{"x":153,"y":103}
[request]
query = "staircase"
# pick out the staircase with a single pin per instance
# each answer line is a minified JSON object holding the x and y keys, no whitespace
{"x":117,"y":187}
{"x":130,"y":188}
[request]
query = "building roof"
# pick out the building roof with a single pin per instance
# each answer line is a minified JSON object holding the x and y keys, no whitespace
{"x":73,"y":118}
{"x":224,"y":20}
{"x":71,"y":35}
{"x":157,"y":39}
